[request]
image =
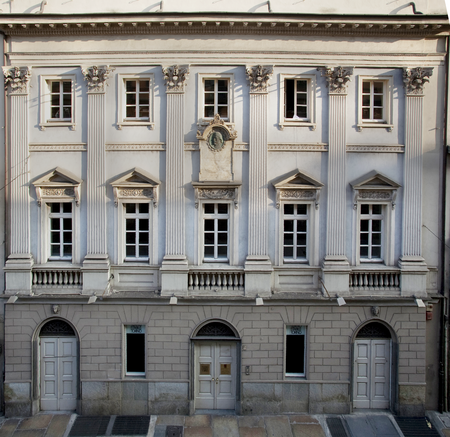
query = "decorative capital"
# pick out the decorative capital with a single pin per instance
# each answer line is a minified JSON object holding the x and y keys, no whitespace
{"x":337,"y":79}
{"x":17,"y":79}
{"x":259,"y":78}
{"x":414,"y":79}
{"x":97,"y":77}
{"x":175,"y":77}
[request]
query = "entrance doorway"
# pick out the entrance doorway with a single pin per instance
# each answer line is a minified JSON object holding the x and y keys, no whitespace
{"x":372,"y":367}
{"x":215,"y":367}
{"x":58,"y":352}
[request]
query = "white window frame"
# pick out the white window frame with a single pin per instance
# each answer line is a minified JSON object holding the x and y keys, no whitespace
{"x":215,"y":216}
{"x":125,"y":350}
{"x":370,"y":217}
{"x":287,"y":329}
{"x":201,"y":77}
{"x":60,"y":216}
{"x":310,"y":120}
{"x":387,"y":121}
{"x":121,"y":97}
{"x":121,"y":230}
{"x":45,"y":119}
{"x":137,"y":217}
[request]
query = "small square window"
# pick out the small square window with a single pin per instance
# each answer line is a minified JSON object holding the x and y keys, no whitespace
{"x":295,"y":350}
{"x":216,"y":98}
{"x":135,"y":350}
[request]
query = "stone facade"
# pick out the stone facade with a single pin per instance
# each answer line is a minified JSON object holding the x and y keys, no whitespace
{"x":247,"y":219}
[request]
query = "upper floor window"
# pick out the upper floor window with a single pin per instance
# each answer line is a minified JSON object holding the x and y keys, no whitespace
{"x":370,"y":232}
{"x":374,"y":102}
{"x":297,"y":98}
{"x":135,"y":97}
{"x":60,"y":231}
{"x":216,"y":232}
{"x":57,"y":101}
{"x":215,"y":96}
{"x":295,"y":232}
{"x":137,"y":231}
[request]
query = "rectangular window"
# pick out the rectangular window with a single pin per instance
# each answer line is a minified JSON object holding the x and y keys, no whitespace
{"x":296,"y":99}
{"x":137,"y":231}
{"x":373,"y":101}
{"x":295,"y":350}
{"x":216,"y":98}
{"x":60,"y":100}
{"x":295,"y":232}
{"x":216,"y":232}
{"x":370,"y":233}
{"x":137,"y":99}
{"x":60,"y":231}
{"x":135,"y":350}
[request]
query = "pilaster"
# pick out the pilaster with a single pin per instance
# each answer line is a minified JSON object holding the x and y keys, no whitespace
{"x":414,"y":268}
{"x":258,"y":268}
{"x":336,"y":266}
{"x":96,"y":263}
{"x":174,"y":269}
{"x":20,"y":261}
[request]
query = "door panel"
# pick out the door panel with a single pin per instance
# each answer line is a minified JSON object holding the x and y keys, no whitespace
{"x":215,"y":378}
{"x":58,"y":373}
{"x":372,"y":374}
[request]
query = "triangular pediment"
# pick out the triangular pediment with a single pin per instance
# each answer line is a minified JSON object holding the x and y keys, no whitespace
{"x":57,"y":177}
{"x":135,"y":178}
{"x":297,"y":179}
{"x":374,"y":180}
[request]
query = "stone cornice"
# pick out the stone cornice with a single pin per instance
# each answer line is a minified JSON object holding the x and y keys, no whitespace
{"x":284,"y":24}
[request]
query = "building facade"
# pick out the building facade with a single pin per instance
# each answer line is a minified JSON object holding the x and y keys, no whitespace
{"x":224,"y":210}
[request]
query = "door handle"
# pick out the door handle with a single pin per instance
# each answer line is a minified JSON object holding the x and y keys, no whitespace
{"x":217,"y":380}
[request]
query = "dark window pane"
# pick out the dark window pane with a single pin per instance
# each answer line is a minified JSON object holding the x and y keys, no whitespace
{"x":67,"y":99}
{"x":209,"y":85}
{"x":378,"y":101}
{"x":289,"y":98}
{"x":288,"y":225}
{"x":143,"y":251}
{"x":378,"y":87}
{"x":376,"y":209}
{"x":364,"y":252}
{"x":302,"y":209}
{"x":376,"y":239}
{"x":222,"y":252}
{"x":143,"y":237}
{"x":143,"y":224}
{"x":365,"y":209}
{"x":364,"y":239}
{"x":378,"y":114}
{"x":144,"y":85}
{"x":376,"y":252}
{"x":143,"y":99}
{"x":55,"y":112}
{"x":130,"y":224}
{"x":376,"y":225}
{"x":209,"y":225}
{"x":209,"y":238}
{"x":131,"y":111}
{"x":208,"y":208}
{"x":55,"y":87}
{"x":289,"y":209}
{"x":366,"y":100}
{"x":301,"y":252}
{"x":222,"y":238}
{"x":144,"y":112}
{"x":67,"y":250}
{"x":366,"y":87}
{"x":295,"y":354}
{"x":67,"y":207}
{"x":136,"y":353}
{"x":130,"y":238}
{"x":222,"y":225}
{"x":67,"y":237}
{"x":222,"y":208}
{"x":131,"y":86}
{"x":54,"y":224}
{"x":301,"y":99}
{"x":67,"y":86}
{"x":130,"y":208}
{"x":301,"y":225}
{"x":302,"y":85}
{"x":55,"y":237}
{"x":288,"y":252}
{"x":301,"y":239}
{"x":301,"y":111}
{"x":288,"y":239}
{"x":131,"y":99}
{"x":67,"y":224}
{"x":223,"y":111}
{"x":222,"y":98}
{"x":55,"y":207}
{"x":209,"y":111}
{"x":209,"y":251}
{"x":67,"y":112}
{"x":54,"y":251}
{"x":130,"y":251}
{"x":366,"y":114}
{"x":143,"y":208}
{"x":222,"y":85}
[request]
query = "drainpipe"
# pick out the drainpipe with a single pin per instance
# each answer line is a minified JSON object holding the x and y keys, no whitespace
{"x":444,"y":349}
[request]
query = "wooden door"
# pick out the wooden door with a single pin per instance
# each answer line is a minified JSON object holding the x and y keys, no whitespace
{"x":372,"y":374}
{"x":58,"y":373}
{"x":215,"y":375}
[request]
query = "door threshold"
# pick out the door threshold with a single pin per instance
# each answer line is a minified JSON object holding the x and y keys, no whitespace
{"x":216,"y":412}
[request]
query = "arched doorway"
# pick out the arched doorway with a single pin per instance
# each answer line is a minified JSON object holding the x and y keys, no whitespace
{"x":372,"y":371}
{"x":58,"y":358}
{"x":216,"y":364}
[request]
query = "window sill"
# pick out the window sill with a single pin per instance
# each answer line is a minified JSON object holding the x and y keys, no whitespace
{"x":286,"y":123}
{"x":43,"y":126}
{"x":360,"y":126}
{"x":149,"y":124}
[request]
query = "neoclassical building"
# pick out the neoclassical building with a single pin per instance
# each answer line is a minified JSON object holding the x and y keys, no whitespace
{"x":224,"y":210}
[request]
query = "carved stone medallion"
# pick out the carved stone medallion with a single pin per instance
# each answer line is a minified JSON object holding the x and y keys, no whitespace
{"x":215,"y":141}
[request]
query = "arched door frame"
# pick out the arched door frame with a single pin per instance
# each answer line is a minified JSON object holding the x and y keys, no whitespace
{"x":393,"y":401}
{"x":195,"y":338}
{"x":36,"y":365}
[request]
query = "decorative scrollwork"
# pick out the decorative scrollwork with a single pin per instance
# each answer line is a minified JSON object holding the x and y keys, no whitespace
{"x":16,"y":79}
{"x":216,"y":329}
{"x":375,"y":195}
{"x":175,"y":77}
{"x":96,"y":77}
{"x":297,"y":194}
{"x":374,"y":330}
{"x":337,"y":78}
{"x":57,"y":328}
{"x":259,"y":78}
{"x":210,"y":193}
{"x":58,"y":192}
{"x":414,"y":79}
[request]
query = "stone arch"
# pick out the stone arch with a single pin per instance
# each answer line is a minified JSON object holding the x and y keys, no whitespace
{"x":215,"y":328}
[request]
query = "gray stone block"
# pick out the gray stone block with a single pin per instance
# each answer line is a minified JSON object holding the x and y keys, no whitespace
{"x":167,"y":407}
{"x":171,"y":391}
{"x":94,"y":390}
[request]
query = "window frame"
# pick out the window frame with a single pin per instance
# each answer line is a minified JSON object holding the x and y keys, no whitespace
{"x":61,"y":216}
{"x":137,"y":216}
{"x":370,"y":233}
{"x":302,"y":375}
{"x":126,"y":373}
{"x":309,"y":238}
{"x":215,"y":216}
{"x":121,"y":97}
{"x":310,"y":120}
{"x":387,"y":121}
{"x":201,"y":77}
{"x":45,"y":119}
